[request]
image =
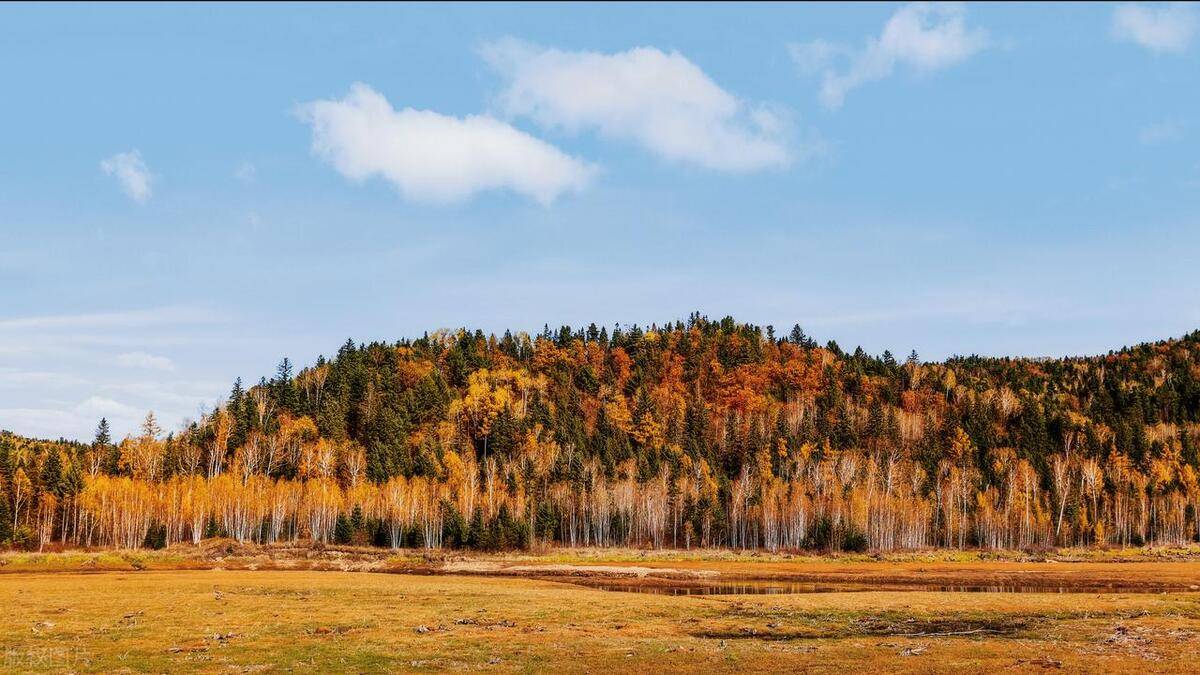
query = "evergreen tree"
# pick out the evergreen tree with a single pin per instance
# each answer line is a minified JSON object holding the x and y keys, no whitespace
{"x":343,"y":532}
{"x":52,"y":473}
{"x":284,"y":387}
{"x":103,"y":435}
{"x":6,"y":518}
{"x":104,"y":448}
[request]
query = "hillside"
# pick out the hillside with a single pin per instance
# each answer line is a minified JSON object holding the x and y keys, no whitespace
{"x":704,"y":433}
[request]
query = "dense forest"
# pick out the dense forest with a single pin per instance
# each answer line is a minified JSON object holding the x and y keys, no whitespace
{"x":689,"y":434}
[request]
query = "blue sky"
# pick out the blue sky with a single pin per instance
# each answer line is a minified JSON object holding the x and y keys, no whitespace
{"x":189,"y":193}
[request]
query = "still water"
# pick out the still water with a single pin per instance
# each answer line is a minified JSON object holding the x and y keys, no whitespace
{"x":667,"y":587}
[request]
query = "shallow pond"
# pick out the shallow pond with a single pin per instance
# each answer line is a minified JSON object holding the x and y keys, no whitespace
{"x":668,"y":587}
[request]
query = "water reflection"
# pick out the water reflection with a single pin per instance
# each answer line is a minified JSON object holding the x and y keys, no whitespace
{"x":665,"y":587}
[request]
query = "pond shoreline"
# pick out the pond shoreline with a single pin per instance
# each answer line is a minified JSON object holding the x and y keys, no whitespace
{"x":678,"y":572}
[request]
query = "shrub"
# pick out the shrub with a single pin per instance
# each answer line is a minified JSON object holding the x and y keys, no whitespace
{"x":156,"y":537}
{"x":854,"y":541}
{"x":24,"y":538}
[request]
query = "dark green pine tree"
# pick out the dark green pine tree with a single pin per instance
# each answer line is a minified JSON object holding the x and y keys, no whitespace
{"x":51,"y":478}
{"x":876,"y":424}
{"x":343,"y":533}
{"x":103,"y":434}
{"x":358,"y":527}
{"x":695,"y":430}
{"x":284,"y":387}
{"x":237,"y":408}
{"x":6,"y":461}
{"x":72,"y":483}
{"x":5,"y":518}
{"x":104,"y":448}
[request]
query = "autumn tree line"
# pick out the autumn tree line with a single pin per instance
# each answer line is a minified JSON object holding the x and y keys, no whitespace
{"x":691,"y":434}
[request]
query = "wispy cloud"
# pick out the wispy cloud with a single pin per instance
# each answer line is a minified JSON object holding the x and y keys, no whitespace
{"x":99,"y":406}
{"x":659,"y":100}
{"x":144,"y":360}
{"x":1161,"y":132}
{"x":16,"y":378}
{"x":62,"y":372}
{"x":75,"y":421}
{"x":923,"y":37}
{"x":246,"y":172}
{"x":1166,"y":28}
{"x":131,"y":173}
{"x":432,"y":157}
{"x":119,"y":319}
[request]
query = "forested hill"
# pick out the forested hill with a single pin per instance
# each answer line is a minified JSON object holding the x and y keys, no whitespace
{"x":722,"y":392}
{"x":697,"y":433}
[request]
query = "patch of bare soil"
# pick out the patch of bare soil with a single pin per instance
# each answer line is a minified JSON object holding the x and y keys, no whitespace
{"x":765,"y":624}
{"x":1144,"y":642}
{"x":943,"y":627}
{"x":877,"y":627}
{"x":202,"y":644}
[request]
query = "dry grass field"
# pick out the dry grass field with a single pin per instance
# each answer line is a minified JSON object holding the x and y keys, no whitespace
{"x":230,"y":619}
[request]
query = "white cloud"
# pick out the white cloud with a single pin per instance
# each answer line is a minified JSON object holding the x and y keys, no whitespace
{"x":131,"y":172}
{"x":660,"y":100}
{"x":924,"y":37}
{"x":99,"y":406}
{"x":19,"y":379}
{"x":144,"y":360}
{"x":246,"y":172}
{"x":814,"y":57}
{"x":60,"y":373}
{"x":44,"y":422}
{"x":437,"y":158}
{"x":1161,"y":132}
{"x":1167,"y":28}
{"x":73,"y":421}
{"x":122,"y":319}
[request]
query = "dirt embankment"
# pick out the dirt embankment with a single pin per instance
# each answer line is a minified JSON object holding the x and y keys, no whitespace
{"x":212,"y":554}
{"x":622,"y":571}
{"x":999,"y":576}
{"x":646,"y":568}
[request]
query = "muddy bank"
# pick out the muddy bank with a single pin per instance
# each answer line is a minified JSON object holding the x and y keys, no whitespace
{"x":630,"y":572}
{"x":680,"y":573}
{"x":746,"y":580}
{"x":1001,"y":576}
{"x":716,"y":577}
